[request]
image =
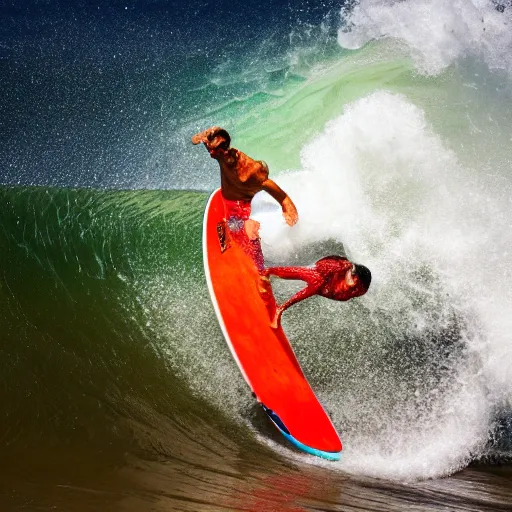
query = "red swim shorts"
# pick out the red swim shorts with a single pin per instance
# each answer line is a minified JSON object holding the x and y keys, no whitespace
{"x":236,"y":213}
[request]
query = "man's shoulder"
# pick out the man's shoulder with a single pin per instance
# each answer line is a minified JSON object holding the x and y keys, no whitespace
{"x":331,"y":264}
{"x":263,"y":165}
{"x":332,"y":258}
{"x":253,"y":168}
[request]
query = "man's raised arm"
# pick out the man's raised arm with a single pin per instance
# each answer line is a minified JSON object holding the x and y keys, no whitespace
{"x":205,"y":135}
{"x":290,"y":213}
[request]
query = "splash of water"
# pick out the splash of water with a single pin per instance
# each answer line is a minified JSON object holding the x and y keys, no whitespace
{"x":437,"y":32}
{"x":424,"y":359}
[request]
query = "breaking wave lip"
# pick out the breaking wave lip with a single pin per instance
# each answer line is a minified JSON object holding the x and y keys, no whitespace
{"x":437,"y":33}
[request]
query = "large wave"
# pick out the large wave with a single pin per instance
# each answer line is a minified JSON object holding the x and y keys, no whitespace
{"x":397,"y":152}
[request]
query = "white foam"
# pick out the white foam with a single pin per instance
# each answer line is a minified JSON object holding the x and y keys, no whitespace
{"x":382,"y":182}
{"x":437,"y":32}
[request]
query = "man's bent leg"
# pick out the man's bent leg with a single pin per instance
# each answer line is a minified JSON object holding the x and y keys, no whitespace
{"x":313,"y":279}
{"x":306,"y":274}
{"x":305,"y":293}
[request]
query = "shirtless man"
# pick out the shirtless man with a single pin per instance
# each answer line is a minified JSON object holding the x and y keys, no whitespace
{"x":241,"y":179}
{"x":333,"y":277}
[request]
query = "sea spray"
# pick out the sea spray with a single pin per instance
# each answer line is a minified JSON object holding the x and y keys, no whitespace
{"x":437,"y":32}
{"x":415,"y":389}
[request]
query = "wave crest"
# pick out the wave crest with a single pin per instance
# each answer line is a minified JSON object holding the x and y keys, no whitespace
{"x":436,"y":32}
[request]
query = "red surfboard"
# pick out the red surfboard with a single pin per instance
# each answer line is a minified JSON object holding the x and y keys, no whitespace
{"x":264,"y":355}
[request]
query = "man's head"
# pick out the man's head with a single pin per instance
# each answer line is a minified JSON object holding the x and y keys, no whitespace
{"x":357,"y":280}
{"x":218,"y":143}
{"x":364,"y":275}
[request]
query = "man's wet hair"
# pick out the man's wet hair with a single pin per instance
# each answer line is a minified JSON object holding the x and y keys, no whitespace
{"x":364,"y":275}
{"x":225,"y":135}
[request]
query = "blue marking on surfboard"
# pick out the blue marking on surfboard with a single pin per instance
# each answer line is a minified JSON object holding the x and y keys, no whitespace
{"x":276,"y":420}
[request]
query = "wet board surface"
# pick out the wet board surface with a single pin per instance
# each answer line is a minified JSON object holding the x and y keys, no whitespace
{"x":264,"y":355}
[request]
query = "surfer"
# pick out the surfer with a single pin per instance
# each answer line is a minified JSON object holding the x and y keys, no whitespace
{"x":333,"y":277}
{"x":241,"y":179}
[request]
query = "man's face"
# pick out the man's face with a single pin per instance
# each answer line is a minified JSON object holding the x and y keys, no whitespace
{"x":350,"y":285}
{"x":215,"y":149}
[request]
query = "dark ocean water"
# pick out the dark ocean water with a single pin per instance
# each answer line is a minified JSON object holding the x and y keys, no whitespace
{"x":118,"y":390}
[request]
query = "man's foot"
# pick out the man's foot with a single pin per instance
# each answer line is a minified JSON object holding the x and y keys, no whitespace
{"x":276,"y":321}
{"x":265,"y":291}
{"x":265,"y":286}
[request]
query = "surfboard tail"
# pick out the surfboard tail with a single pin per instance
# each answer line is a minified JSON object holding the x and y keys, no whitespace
{"x":276,"y":420}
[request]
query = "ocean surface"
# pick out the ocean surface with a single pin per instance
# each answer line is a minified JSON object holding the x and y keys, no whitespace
{"x":389,"y":123}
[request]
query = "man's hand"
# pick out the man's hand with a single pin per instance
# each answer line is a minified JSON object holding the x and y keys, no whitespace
{"x":290,"y":213}
{"x":349,"y":276}
{"x":205,"y":135}
{"x":198,"y":138}
{"x":252,"y":228}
